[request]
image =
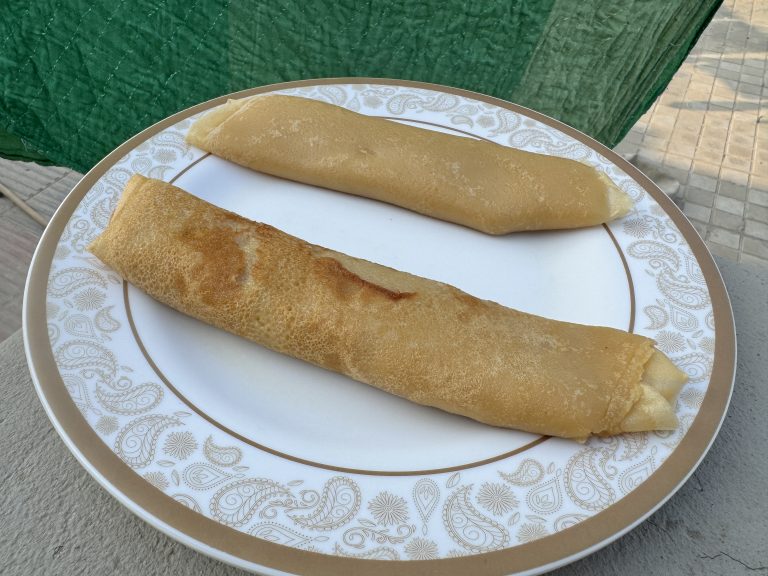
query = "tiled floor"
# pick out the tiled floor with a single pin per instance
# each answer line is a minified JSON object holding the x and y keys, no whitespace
{"x":709,"y":131}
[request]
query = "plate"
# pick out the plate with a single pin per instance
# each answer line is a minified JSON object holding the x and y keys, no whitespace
{"x":279,"y":467}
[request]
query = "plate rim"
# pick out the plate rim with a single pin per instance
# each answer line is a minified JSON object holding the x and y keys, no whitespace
{"x":245,"y":551}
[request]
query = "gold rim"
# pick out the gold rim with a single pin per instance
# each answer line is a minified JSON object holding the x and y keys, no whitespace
{"x":235,"y":546}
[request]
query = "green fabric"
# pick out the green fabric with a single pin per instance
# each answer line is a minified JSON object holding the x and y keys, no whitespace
{"x":13,"y":148}
{"x":77,"y":78}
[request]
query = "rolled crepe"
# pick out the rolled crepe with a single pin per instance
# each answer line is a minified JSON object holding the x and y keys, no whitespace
{"x":480,"y":184}
{"x":420,"y":339}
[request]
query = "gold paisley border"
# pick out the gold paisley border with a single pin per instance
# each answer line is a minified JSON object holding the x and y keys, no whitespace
{"x":239,"y":548}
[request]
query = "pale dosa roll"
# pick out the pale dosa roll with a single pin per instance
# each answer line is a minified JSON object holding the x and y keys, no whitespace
{"x":420,"y":339}
{"x":483,"y":185}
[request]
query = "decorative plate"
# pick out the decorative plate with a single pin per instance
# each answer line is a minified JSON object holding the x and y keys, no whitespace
{"x":280,"y":467}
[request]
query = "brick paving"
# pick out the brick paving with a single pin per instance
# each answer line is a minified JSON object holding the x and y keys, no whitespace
{"x":708,"y":131}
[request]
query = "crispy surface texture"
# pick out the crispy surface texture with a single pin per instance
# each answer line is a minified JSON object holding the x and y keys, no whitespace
{"x":420,"y":339}
{"x":482,"y":185}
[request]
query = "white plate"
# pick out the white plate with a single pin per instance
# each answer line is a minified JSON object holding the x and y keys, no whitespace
{"x":280,"y":467}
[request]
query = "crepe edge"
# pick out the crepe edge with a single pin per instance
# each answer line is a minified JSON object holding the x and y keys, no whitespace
{"x":659,"y":387}
{"x":205,"y":126}
{"x":619,"y":202}
{"x":102,"y":245}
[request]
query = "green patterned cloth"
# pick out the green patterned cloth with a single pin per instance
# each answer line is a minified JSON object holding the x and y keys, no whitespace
{"x":78,"y":77}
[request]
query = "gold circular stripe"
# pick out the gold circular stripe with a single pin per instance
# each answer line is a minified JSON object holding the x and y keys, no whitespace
{"x":630,"y":283}
{"x":188,"y":167}
{"x":236,"y":547}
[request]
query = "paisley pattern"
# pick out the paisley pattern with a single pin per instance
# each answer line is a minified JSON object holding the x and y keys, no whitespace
{"x":188,"y":501}
{"x":104,"y":320}
{"x":527,"y":473}
{"x":338,"y":505}
{"x":568,"y":520}
{"x":101,"y":212}
{"x":142,"y":398}
{"x":682,"y":293}
{"x":426,"y":495}
{"x":682,"y":319}
{"x":696,"y":365}
{"x":538,"y":141}
{"x":77,"y":391}
{"x":79,"y":325}
{"x":137,"y":441}
{"x":632,"y":446}
{"x":202,"y":476}
{"x":87,"y":358}
{"x":658,"y":317}
{"x":378,"y":553}
{"x":547,"y":497}
{"x":68,"y":280}
{"x":279,"y":534}
{"x":632,"y":477}
{"x":358,"y":536}
{"x":470,"y":529}
{"x":547,"y":489}
{"x":587,"y":482}
{"x":221,"y":455}
{"x":658,"y":255}
{"x":236,"y":503}
{"x":53,"y":334}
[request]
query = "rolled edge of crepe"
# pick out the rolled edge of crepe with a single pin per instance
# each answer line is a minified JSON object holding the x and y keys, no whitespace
{"x":417,"y":338}
{"x":660,"y":385}
{"x":480,"y":184}
{"x":619,"y":202}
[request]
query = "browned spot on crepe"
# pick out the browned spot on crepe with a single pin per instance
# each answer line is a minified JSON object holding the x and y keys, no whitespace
{"x":346,"y":282}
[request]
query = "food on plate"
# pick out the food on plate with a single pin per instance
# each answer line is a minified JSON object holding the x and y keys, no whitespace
{"x":417,"y":338}
{"x":480,"y":184}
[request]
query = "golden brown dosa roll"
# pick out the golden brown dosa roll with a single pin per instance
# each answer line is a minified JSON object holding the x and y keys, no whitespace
{"x":480,"y":184}
{"x":420,"y":339}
